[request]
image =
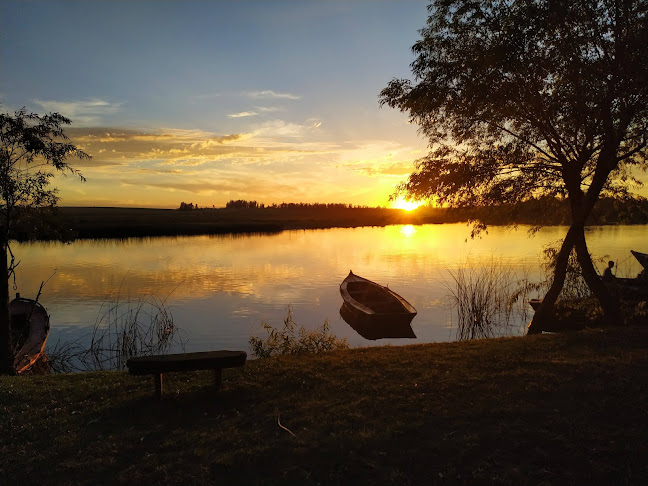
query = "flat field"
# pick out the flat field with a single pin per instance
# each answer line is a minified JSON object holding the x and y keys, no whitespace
{"x":89,"y":222}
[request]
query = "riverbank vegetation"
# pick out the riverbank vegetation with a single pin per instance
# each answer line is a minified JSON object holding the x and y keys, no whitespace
{"x":489,"y":299}
{"x":93,"y":222}
{"x":547,"y":409}
{"x":292,"y":339}
{"x":124,"y":329}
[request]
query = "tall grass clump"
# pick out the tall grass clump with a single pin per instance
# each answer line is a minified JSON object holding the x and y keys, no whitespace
{"x":490,"y":299}
{"x":294,"y":339}
{"x":122,"y":330}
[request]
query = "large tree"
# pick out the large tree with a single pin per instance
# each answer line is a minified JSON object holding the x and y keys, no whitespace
{"x":33,"y":149}
{"x":530,"y":97}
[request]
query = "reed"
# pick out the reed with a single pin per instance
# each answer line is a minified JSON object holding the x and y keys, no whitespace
{"x":123,"y":329}
{"x":490,"y":299}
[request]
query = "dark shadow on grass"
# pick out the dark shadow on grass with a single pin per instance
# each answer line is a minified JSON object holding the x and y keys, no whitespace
{"x":162,"y":429}
{"x":181,"y":407}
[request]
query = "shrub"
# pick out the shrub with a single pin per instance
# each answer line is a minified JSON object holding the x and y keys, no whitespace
{"x":295,"y":340}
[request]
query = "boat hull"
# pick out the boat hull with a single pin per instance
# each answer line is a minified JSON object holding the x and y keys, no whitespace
{"x":31,"y":321}
{"x":642,"y":258}
{"x":375,"y":311}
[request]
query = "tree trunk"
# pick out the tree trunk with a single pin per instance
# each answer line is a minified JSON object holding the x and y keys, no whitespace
{"x":546,"y":309}
{"x":6,"y":348}
{"x":608,"y":300}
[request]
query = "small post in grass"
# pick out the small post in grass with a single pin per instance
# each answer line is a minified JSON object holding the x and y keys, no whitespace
{"x":157,"y":379}
{"x":218,"y":378}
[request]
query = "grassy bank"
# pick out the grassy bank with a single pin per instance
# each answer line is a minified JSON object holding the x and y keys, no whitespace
{"x":548,"y":409}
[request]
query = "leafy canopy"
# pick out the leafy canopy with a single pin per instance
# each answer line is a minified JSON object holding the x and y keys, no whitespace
{"x":521,"y":98}
{"x":32,"y":149}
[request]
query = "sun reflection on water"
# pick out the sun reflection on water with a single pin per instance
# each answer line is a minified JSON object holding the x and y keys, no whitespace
{"x":408,"y":230}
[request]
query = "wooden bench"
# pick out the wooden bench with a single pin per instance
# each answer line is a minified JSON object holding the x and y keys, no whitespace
{"x":209,"y":360}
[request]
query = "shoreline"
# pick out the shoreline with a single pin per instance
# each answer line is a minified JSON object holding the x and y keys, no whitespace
{"x":547,"y":409}
{"x":120,"y":223}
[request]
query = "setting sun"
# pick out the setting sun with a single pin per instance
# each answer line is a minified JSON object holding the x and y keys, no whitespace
{"x":401,"y":203}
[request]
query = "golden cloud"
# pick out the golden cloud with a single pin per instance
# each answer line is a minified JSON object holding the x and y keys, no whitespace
{"x":110,"y":146}
{"x":399,"y":169}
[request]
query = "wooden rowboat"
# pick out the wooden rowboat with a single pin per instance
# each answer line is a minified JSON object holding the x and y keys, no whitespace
{"x":370,"y":302}
{"x":535,"y":303}
{"x":30,"y":328}
{"x":641,"y":258}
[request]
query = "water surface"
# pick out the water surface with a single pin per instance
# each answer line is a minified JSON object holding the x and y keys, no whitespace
{"x":221,"y":288}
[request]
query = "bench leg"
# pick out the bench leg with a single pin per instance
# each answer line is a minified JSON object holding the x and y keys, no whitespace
{"x":218,"y":377}
{"x":157,"y":380}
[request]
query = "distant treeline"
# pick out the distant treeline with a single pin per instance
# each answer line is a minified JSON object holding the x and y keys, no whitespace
{"x":538,"y":211}
{"x":71,"y":222}
{"x":243,"y":204}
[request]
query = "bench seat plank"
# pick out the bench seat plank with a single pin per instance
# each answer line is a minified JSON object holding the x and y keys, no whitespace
{"x":147,"y":365}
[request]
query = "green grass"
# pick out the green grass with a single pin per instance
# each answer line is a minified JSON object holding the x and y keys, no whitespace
{"x":551,"y":409}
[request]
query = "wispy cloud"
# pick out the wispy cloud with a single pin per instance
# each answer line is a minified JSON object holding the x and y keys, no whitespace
{"x":109,"y":146}
{"x":258,"y":110}
{"x":228,"y":182}
{"x":269,"y":109}
{"x":242,"y":114}
{"x":81,"y":112}
{"x":280,"y":129}
{"x":112,"y":135}
{"x":400,"y":169}
{"x":268,"y":93}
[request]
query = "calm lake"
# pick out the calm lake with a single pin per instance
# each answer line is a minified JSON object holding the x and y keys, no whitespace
{"x":221,"y":288}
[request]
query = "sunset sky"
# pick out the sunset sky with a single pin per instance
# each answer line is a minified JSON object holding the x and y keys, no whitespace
{"x":207,"y":101}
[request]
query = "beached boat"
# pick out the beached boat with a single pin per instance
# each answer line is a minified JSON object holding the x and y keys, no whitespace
{"x":535,"y":303}
{"x":641,"y":258}
{"x":639,"y":284}
{"x":365,"y":299}
{"x":30,"y":328}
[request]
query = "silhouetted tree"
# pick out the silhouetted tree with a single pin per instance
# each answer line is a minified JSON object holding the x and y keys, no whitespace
{"x":526,"y":98}
{"x":33,"y":148}
{"x":186,"y":206}
{"x":238,"y":204}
